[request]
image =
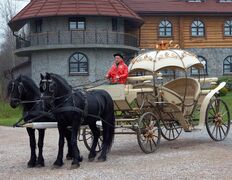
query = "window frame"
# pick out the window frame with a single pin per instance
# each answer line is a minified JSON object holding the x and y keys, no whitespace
{"x":77,"y":63}
{"x":229,"y":63}
{"x":197,"y":29}
{"x":201,"y":73}
{"x":165,"y":22}
{"x":77,"y":21}
{"x":230,"y":28}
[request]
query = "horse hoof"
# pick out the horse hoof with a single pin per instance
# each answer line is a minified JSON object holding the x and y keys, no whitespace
{"x":80,"y":159}
{"x":57,"y":164}
{"x":40,"y":165}
{"x":91,"y":159}
{"x":31,"y":164}
{"x":75,"y":166}
{"x":101,"y":159}
{"x":69,"y":157}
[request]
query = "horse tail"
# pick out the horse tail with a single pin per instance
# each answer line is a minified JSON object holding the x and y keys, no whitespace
{"x":108,"y":123}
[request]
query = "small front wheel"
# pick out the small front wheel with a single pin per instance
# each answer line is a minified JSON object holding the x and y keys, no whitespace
{"x":217,"y":119}
{"x":148,"y":133}
{"x":88,"y":139}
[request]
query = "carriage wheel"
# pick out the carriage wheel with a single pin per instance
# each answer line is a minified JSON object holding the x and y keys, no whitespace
{"x":88,"y":139}
{"x":148,"y":133}
{"x":217,"y":119}
{"x":170,"y":130}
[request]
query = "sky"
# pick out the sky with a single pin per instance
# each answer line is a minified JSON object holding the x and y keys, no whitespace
{"x":19,"y":5}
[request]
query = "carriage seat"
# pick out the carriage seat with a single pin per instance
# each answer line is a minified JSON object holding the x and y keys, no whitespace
{"x":188,"y":90}
{"x":188,"y":87}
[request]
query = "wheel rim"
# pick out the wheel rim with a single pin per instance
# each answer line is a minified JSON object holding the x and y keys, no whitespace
{"x":170,"y":130}
{"x":88,"y":140}
{"x":148,"y":133}
{"x":217,"y":120}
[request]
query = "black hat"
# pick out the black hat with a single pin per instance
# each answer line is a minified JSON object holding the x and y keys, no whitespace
{"x":118,"y":54}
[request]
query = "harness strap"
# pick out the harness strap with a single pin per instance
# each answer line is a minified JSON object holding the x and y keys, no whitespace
{"x":85,"y":111}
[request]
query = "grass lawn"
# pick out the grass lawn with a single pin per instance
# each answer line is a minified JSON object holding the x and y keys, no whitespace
{"x":8,"y":115}
{"x":228,"y":100}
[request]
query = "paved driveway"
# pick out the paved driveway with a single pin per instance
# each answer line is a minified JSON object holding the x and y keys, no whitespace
{"x":192,"y":156}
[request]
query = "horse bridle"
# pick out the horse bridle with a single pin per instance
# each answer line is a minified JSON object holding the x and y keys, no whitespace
{"x":48,"y":84}
{"x":20,"y":90}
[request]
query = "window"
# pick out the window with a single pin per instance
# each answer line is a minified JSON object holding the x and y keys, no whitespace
{"x":198,"y":28}
{"x":165,"y":29}
{"x":38,"y":26}
{"x":114,"y":24}
{"x":78,"y":64}
{"x":228,"y":28}
{"x":77,"y":24}
{"x":227,"y":65}
{"x":204,"y":71}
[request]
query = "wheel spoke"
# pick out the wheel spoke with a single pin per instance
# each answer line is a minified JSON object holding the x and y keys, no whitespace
{"x":223,"y":131}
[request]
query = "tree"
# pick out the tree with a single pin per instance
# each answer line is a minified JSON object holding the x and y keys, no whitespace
{"x":7,"y":57}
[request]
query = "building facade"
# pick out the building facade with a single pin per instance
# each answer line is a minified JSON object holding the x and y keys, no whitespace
{"x":79,"y":41}
{"x":77,"y":38}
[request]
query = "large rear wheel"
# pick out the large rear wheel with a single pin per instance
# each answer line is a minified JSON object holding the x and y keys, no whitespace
{"x":217,"y":119}
{"x":148,"y":133}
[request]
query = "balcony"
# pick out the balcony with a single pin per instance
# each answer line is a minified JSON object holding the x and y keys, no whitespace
{"x":76,"y":39}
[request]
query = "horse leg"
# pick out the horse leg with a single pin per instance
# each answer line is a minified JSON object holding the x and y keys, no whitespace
{"x":40,"y":162}
{"x":96,"y":135}
{"x":68,"y":134}
{"x":76,"y":153}
{"x":32,"y":162}
{"x":59,"y":159}
{"x":108,"y":133}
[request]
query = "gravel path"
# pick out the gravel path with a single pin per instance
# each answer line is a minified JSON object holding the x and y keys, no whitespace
{"x":192,"y":156}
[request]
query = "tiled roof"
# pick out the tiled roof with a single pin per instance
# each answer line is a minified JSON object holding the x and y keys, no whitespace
{"x":179,"y":6}
{"x":46,"y":8}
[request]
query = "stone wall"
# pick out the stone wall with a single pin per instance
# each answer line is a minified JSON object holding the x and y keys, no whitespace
{"x":58,"y":62}
{"x":214,"y":57}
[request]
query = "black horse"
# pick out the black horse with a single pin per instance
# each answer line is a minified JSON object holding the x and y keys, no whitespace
{"x":23,"y":91}
{"x":76,"y":108}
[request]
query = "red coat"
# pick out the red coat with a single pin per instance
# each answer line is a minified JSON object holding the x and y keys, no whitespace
{"x":118,"y":74}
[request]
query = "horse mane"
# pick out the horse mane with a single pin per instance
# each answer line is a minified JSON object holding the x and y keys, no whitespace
{"x":61,"y":80}
{"x":28,"y":81}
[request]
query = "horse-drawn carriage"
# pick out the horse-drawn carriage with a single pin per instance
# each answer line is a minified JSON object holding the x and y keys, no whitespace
{"x":155,"y":105}
{"x":159,"y":100}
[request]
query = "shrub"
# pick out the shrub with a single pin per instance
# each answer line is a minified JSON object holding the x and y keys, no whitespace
{"x":228,"y":80}
{"x":223,"y":91}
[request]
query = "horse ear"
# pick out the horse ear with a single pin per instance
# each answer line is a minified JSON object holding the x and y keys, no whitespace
{"x":48,"y":75}
{"x":41,"y":76}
